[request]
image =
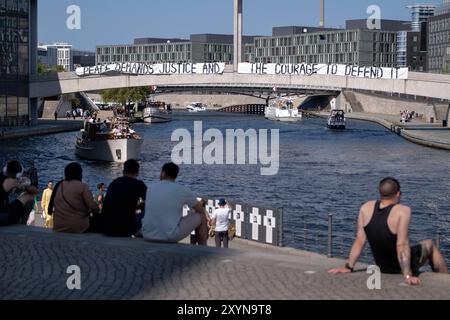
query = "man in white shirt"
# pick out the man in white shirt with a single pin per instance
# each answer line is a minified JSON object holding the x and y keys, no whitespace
{"x":221,"y":218}
{"x":164,"y":221}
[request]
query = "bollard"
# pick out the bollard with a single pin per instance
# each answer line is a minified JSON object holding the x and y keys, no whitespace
{"x":281,"y":233}
{"x":330,"y":235}
{"x":438,"y":240}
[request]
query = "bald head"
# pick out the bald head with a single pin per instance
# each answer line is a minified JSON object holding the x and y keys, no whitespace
{"x":389,"y":188}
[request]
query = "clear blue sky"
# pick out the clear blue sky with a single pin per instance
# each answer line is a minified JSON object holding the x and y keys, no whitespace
{"x":119,"y":22}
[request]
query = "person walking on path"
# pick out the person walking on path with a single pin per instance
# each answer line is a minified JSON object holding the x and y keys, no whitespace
{"x":221,"y":221}
{"x":385,"y":225}
{"x":45,"y":202}
{"x":164,"y":221}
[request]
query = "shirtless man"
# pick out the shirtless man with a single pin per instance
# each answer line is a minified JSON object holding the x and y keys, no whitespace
{"x":385,"y":225}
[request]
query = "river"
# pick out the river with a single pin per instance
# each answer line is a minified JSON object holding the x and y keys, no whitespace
{"x":321,"y":172}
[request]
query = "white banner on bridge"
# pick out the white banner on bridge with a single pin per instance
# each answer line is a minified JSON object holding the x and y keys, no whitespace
{"x":152,"y":69}
{"x":304,"y":69}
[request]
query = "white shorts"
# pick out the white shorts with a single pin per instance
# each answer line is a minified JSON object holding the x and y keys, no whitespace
{"x":184,"y":229}
{"x":187,"y":224}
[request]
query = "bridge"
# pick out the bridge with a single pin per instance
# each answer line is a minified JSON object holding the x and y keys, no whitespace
{"x":417,"y":85}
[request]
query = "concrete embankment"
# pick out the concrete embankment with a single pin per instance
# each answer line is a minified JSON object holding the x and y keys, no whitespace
{"x":429,"y":135}
{"x":44,"y":127}
{"x":36,"y":261}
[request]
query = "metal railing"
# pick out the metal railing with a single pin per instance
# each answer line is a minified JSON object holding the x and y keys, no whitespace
{"x":333,"y":238}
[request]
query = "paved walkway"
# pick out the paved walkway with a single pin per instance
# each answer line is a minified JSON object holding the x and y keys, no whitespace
{"x":44,"y":127}
{"x":34,"y":264}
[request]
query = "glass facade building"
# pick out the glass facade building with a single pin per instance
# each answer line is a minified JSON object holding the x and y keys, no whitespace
{"x":420,"y":14}
{"x":357,"y":46}
{"x":439,"y":42}
{"x":14,"y":62}
{"x":402,"y":47}
{"x":199,"y":48}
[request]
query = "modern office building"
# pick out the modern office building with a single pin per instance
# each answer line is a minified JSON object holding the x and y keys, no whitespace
{"x":48,"y":56}
{"x":385,"y":25}
{"x":58,"y":54}
{"x":417,"y":52}
{"x":82,"y":58}
{"x":62,"y":54}
{"x":18,"y":43}
{"x":199,"y":48}
{"x":412,"y":47}
{"x":443,"y":8}
{"x":420,"y":14}
{"x":354,"y":45}
{"x":439,"y":40}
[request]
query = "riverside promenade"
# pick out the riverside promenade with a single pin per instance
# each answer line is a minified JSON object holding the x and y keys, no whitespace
{"x":34,"y":265}
{"x":432,"y":135}
{"x":44,"y":127}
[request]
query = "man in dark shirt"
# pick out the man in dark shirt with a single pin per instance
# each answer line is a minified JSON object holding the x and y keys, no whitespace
{"x":125,"y":196}
{"x":385,"y":225}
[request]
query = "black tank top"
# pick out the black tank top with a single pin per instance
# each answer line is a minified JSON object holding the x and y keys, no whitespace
{"x":4,"y":196}
{"x":382,"y":241}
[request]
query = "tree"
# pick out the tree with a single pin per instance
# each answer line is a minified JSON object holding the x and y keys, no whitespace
{"x":44,"y":69}
{"x":75,"y":103}
{"x":125,"y":96}
{"x":41,"y":68}
{"x":59,"y":68}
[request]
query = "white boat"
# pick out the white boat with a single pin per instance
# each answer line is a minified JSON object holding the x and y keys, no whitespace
{"x":337,"y":120}
{"x":282,"y":109}
{"x":196,"y":107}
{"x":157,"y":112}
{"x":117,"y":142}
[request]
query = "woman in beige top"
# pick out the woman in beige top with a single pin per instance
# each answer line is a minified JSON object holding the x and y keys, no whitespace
{"x":72,"y":203}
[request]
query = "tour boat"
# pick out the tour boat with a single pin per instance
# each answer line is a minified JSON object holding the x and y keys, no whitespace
{"x":157,"y":112}
{"x":109,"y":142}
{"x":282,"y":109}
{"x":337,"y":120}
{"x":196,"y":107}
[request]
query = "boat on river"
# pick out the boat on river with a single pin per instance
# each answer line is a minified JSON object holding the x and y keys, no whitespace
{"x":337,"y":120}
{"x":157,"y":112}
{"x":196,"y":107}
{"x":113,"y":141}
{"x":282,"y":109}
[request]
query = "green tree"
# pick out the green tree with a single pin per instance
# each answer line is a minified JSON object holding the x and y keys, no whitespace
{"x":75,"y":103}
{"x":44,"y":69}
{"x":125,"y":96}
{"x":58,"y":68}
{"x":41,"y":68}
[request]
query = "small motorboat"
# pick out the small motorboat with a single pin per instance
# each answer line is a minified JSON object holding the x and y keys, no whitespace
{"x":196,"y":107}
{"x":337,"y":120}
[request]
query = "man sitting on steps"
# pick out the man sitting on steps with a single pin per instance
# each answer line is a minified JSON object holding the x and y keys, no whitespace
{"x":385,"y":224}
{"x":163,"y":221}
